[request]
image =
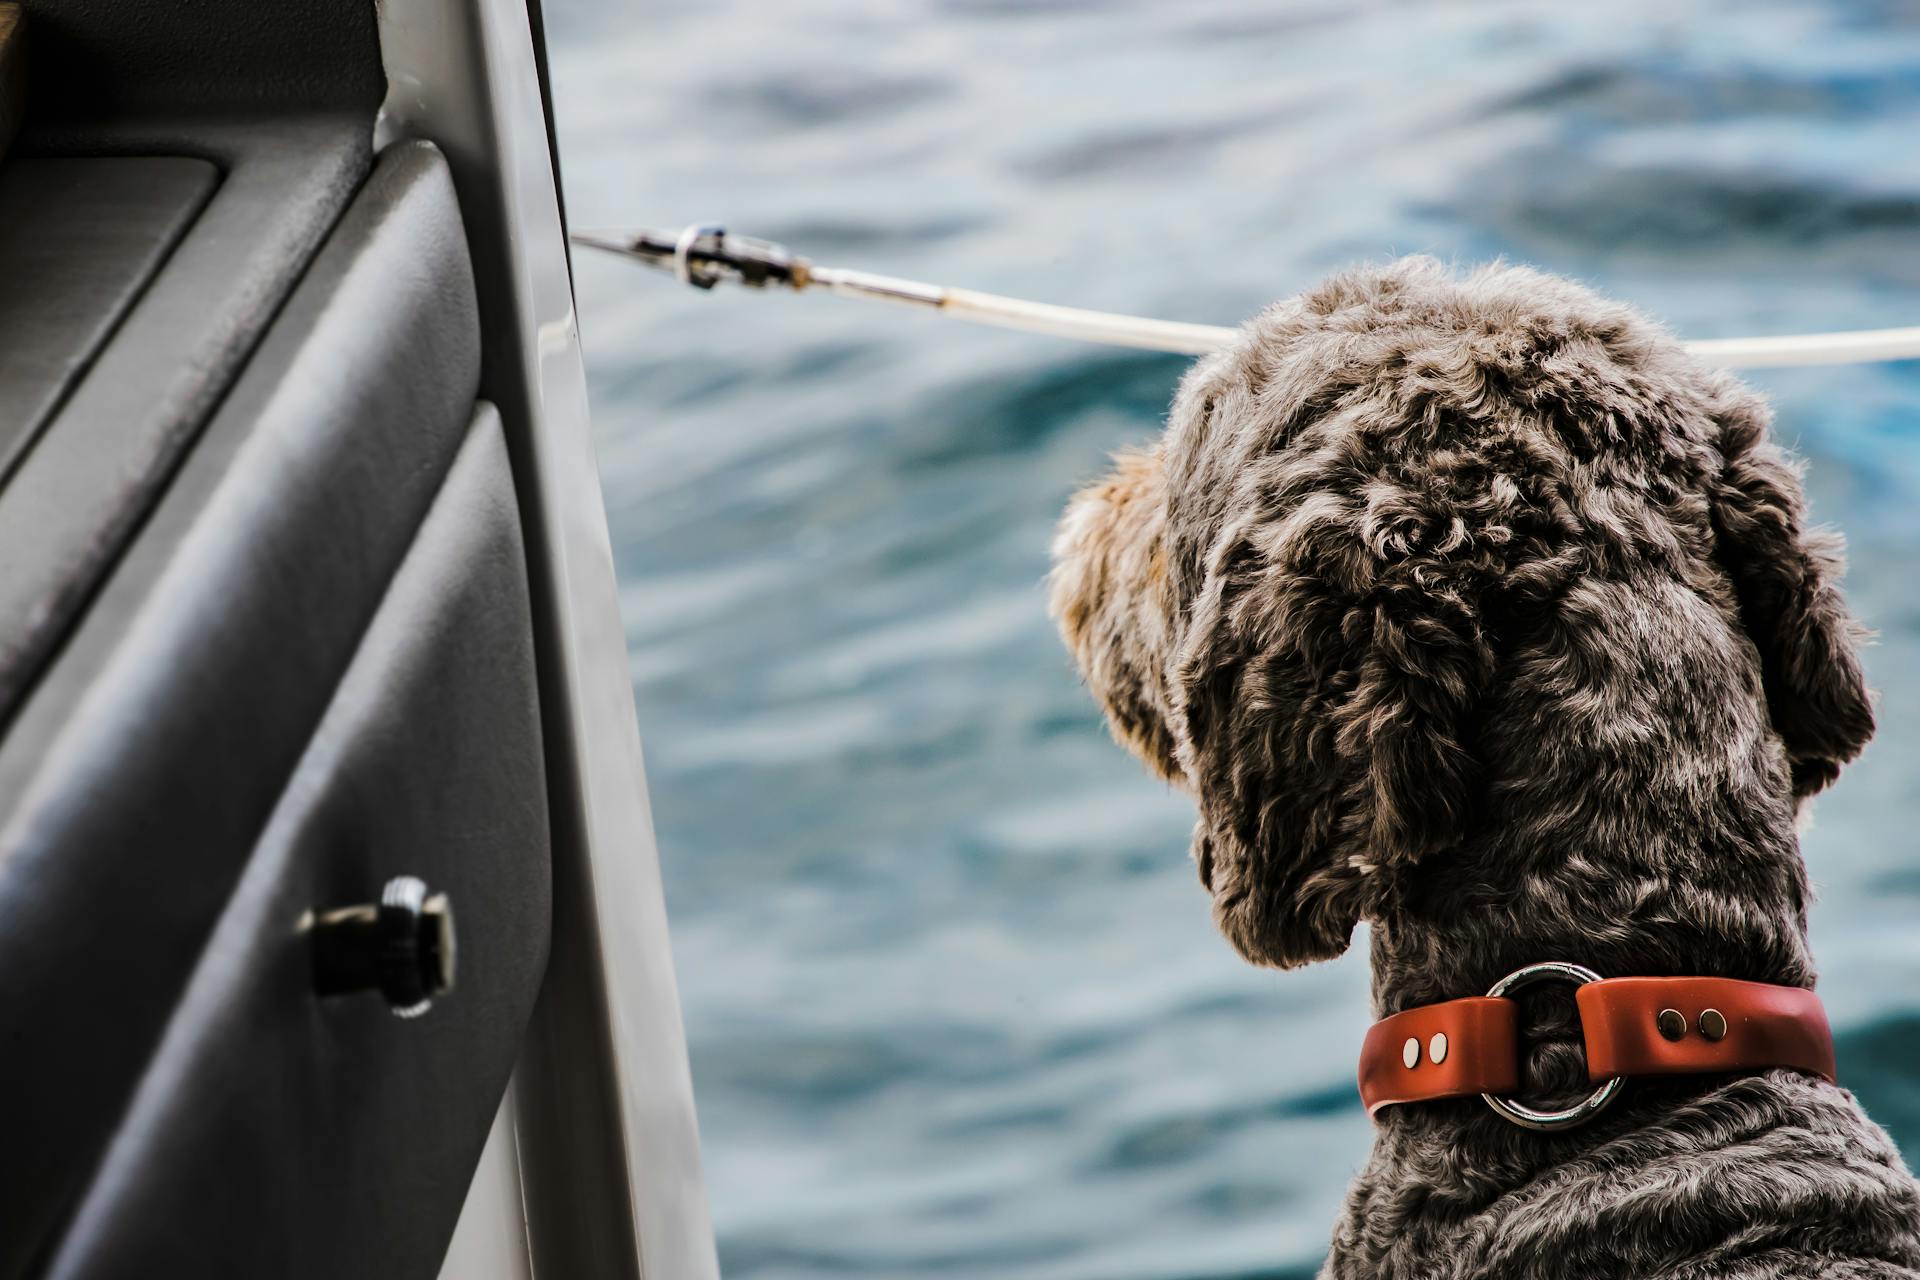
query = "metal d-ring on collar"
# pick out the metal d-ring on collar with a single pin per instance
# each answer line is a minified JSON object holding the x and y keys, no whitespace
{"x":1588,"y":1107}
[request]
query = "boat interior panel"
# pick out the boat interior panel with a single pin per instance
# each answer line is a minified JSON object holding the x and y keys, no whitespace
{"x":426,"y":762}
{"x":82,"y":238}
{"x":307,"y":585}
{"x":138,"y":776}
{"x":92,"y":473}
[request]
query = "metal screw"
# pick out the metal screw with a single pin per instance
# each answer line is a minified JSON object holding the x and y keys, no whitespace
{"x":402,"y":947}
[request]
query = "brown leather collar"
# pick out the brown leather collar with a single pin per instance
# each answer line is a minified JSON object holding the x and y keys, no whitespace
{"x":1632,"y":1027}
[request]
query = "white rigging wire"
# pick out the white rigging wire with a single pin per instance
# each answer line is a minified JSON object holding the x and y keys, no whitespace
{"x":704,"y":255}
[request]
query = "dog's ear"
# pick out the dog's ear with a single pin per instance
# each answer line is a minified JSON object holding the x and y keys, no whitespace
{"x":1326,"y":686}
{"x":1786,"y":578}
{"x":1110,"y":595}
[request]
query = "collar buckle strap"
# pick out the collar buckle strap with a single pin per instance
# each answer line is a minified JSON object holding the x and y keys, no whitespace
{"x":1631,"y":1026}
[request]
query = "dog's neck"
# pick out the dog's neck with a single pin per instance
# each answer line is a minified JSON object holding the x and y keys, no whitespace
{"x":1441,"y":950}
{"x":1658,"y":911}
{"x":1693,"y":869}
{"x":1452,"y":1190}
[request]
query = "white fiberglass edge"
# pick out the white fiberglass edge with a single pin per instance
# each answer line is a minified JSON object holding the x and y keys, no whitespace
{"x":490,"y":1240}
{"x":609,"y":1152}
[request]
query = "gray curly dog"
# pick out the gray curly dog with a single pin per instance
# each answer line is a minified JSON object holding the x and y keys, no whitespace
{"x":1475,"y":608}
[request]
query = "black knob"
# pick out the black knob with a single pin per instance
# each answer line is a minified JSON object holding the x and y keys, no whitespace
{"x":401,"y":947}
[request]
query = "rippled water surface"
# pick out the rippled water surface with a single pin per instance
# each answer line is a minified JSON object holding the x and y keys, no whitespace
{"x":954,"y":1004}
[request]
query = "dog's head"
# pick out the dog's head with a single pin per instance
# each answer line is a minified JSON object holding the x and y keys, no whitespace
{"x":1297,"y":605}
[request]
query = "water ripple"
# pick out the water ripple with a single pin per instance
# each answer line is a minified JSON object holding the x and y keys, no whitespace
{"x":954,"y":1000}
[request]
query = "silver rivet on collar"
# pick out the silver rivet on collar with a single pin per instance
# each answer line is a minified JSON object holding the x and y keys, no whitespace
{"x":1437,"y":1048}
{"x":1672,"y":1023}
{"x":1713,"y":1024}
{"x":1410,"y":1052}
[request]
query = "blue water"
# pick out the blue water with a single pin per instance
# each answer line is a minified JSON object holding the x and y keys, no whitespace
{"x":954,"y":1003}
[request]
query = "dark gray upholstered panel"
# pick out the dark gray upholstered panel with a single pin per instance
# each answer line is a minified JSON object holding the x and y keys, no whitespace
{"x":79,"y":239}
{"x":329,"y":1138}
{"x":112,"y":58}
{"x":95,"y":470}
{"x":142,"y":769}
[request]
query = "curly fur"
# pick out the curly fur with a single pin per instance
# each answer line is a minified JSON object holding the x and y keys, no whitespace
{"x":1476,"y":609}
